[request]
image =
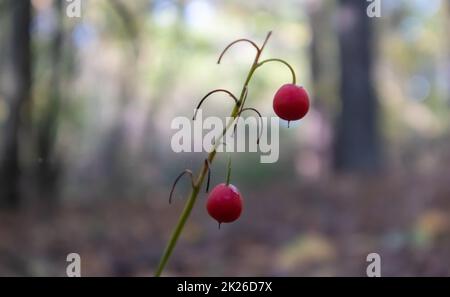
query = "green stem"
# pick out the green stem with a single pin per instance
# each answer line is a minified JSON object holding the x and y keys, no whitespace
{"x":198,"y":183}
{"x":177,"y":231}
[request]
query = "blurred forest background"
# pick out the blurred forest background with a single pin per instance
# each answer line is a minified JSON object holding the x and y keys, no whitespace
{"x":85,"y":160}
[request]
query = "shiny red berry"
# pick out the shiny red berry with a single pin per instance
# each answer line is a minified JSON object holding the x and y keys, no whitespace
{"x":224,"y":203}
{"x":291,"y":102}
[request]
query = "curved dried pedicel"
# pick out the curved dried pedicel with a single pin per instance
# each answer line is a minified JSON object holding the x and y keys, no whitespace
{"x":233,"y":43}
{"x":186,"y":171}
{"x":258,"y":50}
{"x":209,"y":94}
{"x":260,"y":122}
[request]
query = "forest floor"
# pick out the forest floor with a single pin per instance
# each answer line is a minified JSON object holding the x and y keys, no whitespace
{"x":316,"y":229}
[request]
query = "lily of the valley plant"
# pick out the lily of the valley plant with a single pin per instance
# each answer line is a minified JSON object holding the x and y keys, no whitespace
{"x":224,"y":203}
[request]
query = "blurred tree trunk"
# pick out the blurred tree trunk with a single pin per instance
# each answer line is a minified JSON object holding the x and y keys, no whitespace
{"x":315,"y":12}
{"x":447,"y":62}
{"x":48,"y":166}
{"x":18,"y":95}
{"x":357,"y":144}
{"x":315,"y":65}
{"x":114,"y":153}
{"x":172,"y":64}
{"x":324,"y":73}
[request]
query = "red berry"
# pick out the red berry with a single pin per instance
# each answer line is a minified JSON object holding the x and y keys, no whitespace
{"x":224,"y":203}
{"x":291,"y":102}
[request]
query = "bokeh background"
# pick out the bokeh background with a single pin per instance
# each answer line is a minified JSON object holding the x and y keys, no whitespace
{"x":86,"y":166}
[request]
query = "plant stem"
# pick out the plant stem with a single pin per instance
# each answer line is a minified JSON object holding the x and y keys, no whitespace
{"x":198,"y":183}
{"x":177,"y":231}
{"x":228,"y":171}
